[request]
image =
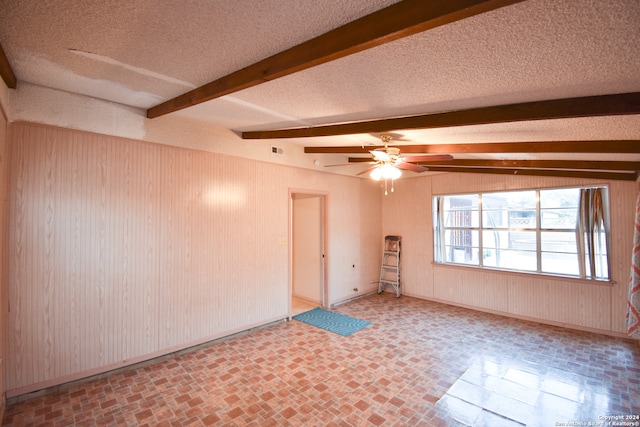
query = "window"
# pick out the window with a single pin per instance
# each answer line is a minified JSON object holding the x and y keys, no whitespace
{"x":552,"y":231}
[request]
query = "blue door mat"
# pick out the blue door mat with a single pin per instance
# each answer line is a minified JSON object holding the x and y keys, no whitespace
{"x":332,"y":322}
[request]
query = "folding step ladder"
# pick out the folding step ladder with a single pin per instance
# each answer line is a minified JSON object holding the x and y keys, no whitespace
{"x":390,"y":269}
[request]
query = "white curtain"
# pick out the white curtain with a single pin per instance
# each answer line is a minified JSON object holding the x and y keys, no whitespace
{"x":438,"y":247}
{"x":592,"y":232}
{"x":633,"y":306}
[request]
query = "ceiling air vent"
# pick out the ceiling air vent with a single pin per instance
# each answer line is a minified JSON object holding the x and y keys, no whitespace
{"x":277,"y":150}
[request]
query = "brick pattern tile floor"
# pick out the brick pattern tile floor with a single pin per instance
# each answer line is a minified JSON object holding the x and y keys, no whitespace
{"x":419,"y":363}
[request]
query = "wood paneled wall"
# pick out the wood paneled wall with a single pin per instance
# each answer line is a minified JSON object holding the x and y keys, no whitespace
{"x":121,"y":250}
{"x":573,"y":303}
{"x":4,"y":156}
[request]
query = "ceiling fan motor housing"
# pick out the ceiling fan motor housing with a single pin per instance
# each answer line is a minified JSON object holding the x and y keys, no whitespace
{"x":393,"y":151}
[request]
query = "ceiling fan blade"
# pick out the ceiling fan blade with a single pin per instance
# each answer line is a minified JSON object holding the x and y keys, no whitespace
{"x":411,"y":167}
{"x":379,"y":155}
{"x":360,"y":160}
{"x":434,"y":158}
{"x":367,"y":170}
{"x":338,"y":164}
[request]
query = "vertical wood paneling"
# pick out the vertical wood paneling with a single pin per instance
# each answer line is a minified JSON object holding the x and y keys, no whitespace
{"x":407,"y":212}
{"x":136,"y":263}
{"x":22,"y":299}
{"x":271,"y":189}
{"x":355,"y":238}
{"x":622,"y":199}
{"x":174,"y":250}
{"x":4,"y":158}
{"x":15,"y":261}
{"x":199,"y":253}
{"x":471,"y":288}
{"x":81,"y":242}
{"x":594,"y":306}
{"x":371,"y":244}
{"x":560,"y":301}
{"x":119,"y":249}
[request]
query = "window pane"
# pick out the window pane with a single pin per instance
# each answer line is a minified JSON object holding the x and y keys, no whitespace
{"x":509,"y":210}
{"x":560,"y":263}
{"x":459,"y":255}
{"x":462,"y":219}
{"x":532,"y":230}
{"x":513,"y":199}
{"x":495,"y":239}
{"x":600,"y":258}
{"x":559,"y":242}
{"x":509,"y":218}
{"x":522,"y":240}
{"x":461,"y":211}
{"x":465,"y":201}
{"x":461,"y":238}
{"x":510,"y":259}
{"x":561,"y":198}
{"x":505,"y":239}
{"x":561,"y":218}
{"x":602,"y":270}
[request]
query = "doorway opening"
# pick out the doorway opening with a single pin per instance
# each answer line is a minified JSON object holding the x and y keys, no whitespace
{"x":307,"y":287}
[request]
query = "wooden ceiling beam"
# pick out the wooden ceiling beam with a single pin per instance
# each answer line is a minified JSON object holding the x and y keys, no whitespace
{"x":616,"y":176}
{"x":6,"y":72}
{"x":529,"y":164}
{"x":599,"y":146}
{"x":399,"y":20}
{"x":568,"y":108}
{"x":540,"y":164}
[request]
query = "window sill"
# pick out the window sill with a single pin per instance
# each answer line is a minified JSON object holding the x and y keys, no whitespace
{"x":542,"y":276}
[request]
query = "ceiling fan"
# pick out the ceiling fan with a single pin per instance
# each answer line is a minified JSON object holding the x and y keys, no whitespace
{"x":388,"y":164}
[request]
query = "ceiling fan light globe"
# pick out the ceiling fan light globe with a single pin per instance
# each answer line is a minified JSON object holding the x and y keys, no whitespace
{"x":376,"y":174}
{"x":395,"y":173}
{"x":388,"y":171}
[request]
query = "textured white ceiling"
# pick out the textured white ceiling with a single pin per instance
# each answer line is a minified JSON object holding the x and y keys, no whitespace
{"x":140,"y":53}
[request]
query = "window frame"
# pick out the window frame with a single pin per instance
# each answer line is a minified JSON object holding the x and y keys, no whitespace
{"x":440,"y":233}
